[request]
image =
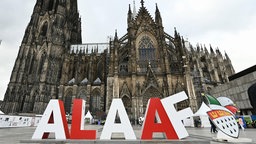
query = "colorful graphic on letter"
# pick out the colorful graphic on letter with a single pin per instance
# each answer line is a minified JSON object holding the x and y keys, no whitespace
{"x":225,"y":121}
{"x":222,"y":117}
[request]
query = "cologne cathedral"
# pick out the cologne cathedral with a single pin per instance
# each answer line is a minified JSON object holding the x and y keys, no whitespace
{"x":53,"y":63}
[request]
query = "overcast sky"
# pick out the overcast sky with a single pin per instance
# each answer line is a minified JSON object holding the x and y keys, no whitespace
{"x":229,"y":25}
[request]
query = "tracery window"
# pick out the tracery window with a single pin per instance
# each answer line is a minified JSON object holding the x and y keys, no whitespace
{"x":95,"y":101}
{"x":146,"y":49}
{"x":41,"y":63}
{"x":44,"y":29}
{"x":68,"y":102}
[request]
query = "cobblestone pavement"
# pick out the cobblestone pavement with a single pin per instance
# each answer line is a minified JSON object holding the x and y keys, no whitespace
{"x":17,"y":135}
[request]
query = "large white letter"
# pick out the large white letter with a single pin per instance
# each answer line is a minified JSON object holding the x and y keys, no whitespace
{"x":110,"y":126}
{"x":174,"y":116}
{"x":53,"y":121}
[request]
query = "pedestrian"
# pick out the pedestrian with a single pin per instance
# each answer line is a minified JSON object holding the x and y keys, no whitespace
{"x":213,"y":127}
{"x":241,"y":123}
{"x":196,"y":122}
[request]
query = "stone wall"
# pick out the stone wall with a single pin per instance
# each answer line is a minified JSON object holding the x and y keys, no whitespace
{"x":236,"y":90}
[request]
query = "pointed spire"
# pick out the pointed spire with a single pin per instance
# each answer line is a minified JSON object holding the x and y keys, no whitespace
{"x":191,"y":48}
{"x":175,"y":33}
{"x":158,"y":17}
{"x":157,"y":10}
{"x":218,"y":51}
{"x":129,"y":11}
{"x":134,"y":13}
{"x":87,"y":49}
{"x":142,"y":3}
{"x":198,"y":47}
{"x":183,"y":41}
{"x":211,"y":49}
{"x":84,"y":50}
{"x":205,"y":50}
{"x":129,"y":17}
{"x":77,"y":50}
{"x":116,"y":38}
{"x":226,"y":55}
{"x":151,"y":78}
{"x":80,"y":51}
{"x":201,"y":46}
{"x":73,"y":51}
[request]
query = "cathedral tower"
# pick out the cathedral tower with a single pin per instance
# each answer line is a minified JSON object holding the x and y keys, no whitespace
{"x":54,"y":26}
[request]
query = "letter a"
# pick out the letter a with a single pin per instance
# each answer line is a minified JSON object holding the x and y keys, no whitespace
{"x":164,"y":125}
{"x":53,"y":121}
{"x":77,"y":127}
{"x":112,"y":127}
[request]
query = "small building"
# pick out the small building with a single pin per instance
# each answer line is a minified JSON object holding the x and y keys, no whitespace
{"x":237,"y":90}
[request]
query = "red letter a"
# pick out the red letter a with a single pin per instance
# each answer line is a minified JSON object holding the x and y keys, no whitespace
{"x":164,"y":125}
{"x":77,"y":126}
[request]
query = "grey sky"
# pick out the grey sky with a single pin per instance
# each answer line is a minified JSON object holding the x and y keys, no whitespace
{"x":229,"y":25}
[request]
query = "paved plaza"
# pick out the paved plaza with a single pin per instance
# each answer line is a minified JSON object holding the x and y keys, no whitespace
{"x":197,"y":135}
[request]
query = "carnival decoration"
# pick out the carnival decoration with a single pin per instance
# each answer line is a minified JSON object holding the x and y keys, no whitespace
{"x":169,"y":120}
{"x":222,"y":118}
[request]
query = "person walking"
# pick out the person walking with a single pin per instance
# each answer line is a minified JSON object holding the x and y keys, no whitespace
{"x":241,"y":123}
{"x":213,"y":127}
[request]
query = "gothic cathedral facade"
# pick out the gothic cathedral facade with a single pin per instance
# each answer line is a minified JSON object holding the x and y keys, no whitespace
{"x":146,"y":62}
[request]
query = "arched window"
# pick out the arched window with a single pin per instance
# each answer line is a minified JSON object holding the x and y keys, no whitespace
{"x":95,"y":101}
{"x":31,"y":66}
{"x":146,"y":49}
{"x":68,"y":102}
{"x":41,"y":64}
{"x":43,"y":32}
{"x":44,"y":29}
{"x":100,"y":70}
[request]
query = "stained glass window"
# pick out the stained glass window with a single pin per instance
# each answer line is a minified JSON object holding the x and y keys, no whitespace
{"x":146,"y":49}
